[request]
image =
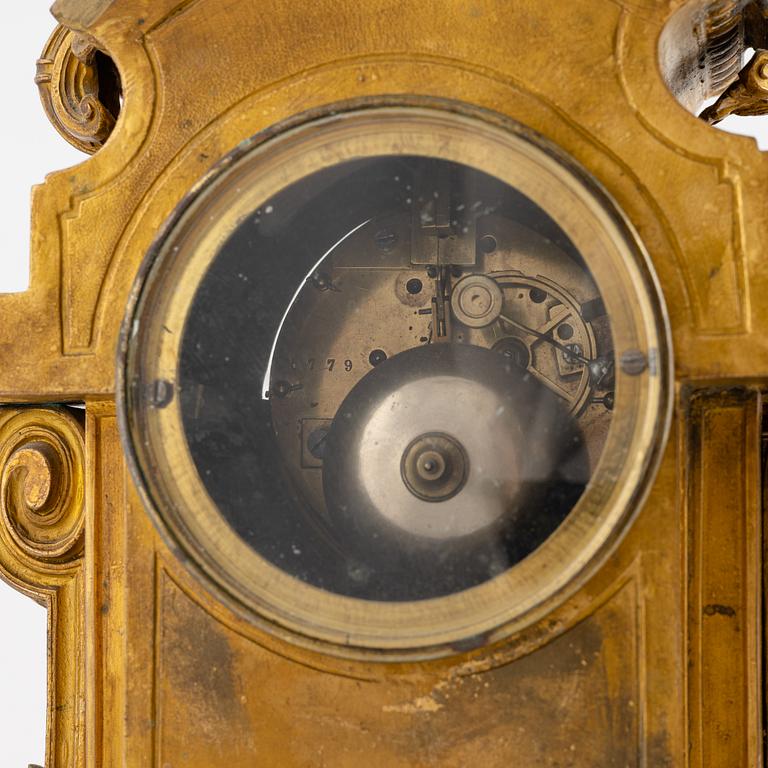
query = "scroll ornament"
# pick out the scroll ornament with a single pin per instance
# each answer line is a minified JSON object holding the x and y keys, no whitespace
{"x":79,"y":88}
{"x":42,"y":484}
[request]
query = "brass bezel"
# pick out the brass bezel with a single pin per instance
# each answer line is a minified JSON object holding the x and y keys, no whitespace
{"x":157,"y":449}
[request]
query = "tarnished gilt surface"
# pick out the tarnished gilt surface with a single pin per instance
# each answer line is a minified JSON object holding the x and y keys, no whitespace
{"x":656,"y":663}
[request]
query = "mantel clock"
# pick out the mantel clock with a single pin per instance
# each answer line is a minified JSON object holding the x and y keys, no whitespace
{"x":389,"y":386}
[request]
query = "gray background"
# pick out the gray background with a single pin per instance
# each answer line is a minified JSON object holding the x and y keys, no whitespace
{"x":31,"y":148}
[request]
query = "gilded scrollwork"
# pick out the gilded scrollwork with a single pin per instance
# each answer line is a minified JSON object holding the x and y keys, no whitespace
{"x":42,"y":484}
{"x":746,"y":96}
{"x":79,"y":89}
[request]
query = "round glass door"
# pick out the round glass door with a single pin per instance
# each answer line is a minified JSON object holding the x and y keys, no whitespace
{"x":396,"y":379}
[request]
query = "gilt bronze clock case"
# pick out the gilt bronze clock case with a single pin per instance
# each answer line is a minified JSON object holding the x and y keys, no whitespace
{"x":385,"y":455}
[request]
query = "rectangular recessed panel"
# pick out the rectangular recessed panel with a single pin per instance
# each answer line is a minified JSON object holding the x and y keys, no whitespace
{"x":724,"y":519}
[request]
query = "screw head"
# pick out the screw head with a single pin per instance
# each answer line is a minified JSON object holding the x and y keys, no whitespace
{"x":161,"y":393}
{"x":487,"y":243}
{"x":414,"y":286}
{"x":633,"y":362}
{"x":377,"y":356}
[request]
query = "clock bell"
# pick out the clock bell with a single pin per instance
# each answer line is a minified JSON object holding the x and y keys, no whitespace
{"x":421,"y":354}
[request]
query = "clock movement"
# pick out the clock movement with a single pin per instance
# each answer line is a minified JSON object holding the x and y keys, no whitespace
{"x":389,"y":385}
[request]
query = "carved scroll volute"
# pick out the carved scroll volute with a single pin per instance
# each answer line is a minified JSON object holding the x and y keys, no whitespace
{"x":80,"y":92}
{"x":42,"y":484}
